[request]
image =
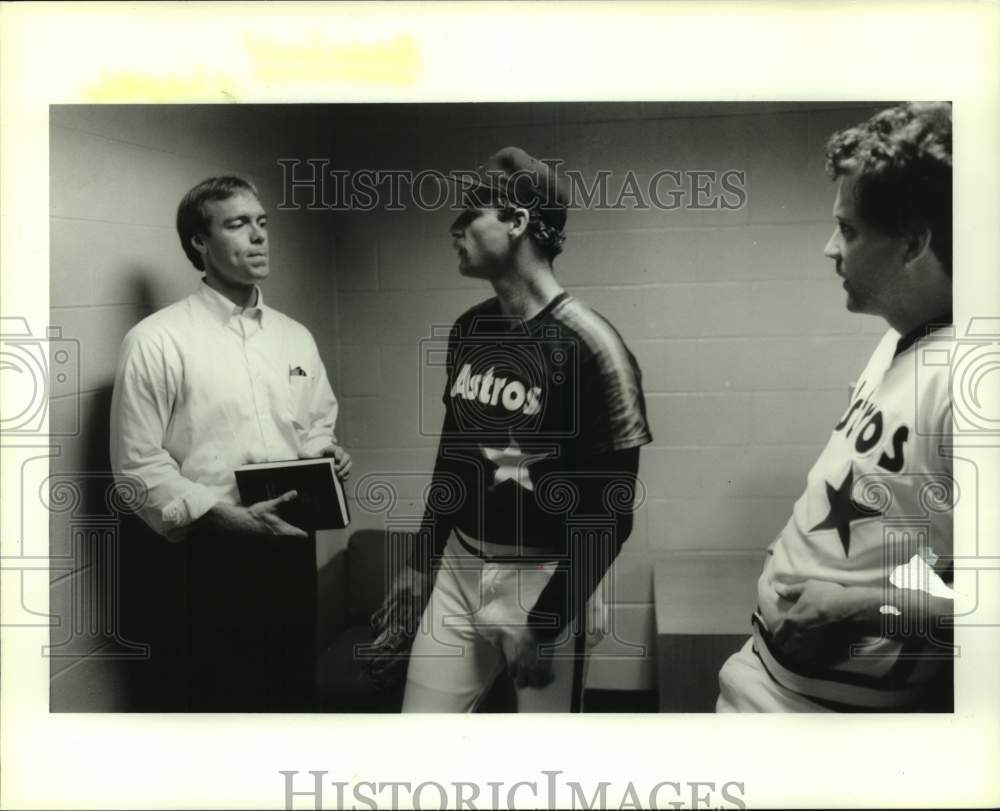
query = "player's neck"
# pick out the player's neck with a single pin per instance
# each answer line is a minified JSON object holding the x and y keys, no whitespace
{"x":525,"y":292}
{"x":924,"y":304}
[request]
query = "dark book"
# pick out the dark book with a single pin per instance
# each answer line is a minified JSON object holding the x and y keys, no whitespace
{"x":321,"y":502}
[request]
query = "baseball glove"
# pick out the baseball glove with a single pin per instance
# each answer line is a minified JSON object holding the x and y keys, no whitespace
{"x":395,"y":626}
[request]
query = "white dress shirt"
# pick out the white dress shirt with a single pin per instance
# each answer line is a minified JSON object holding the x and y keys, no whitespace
{"x":204,"y":386}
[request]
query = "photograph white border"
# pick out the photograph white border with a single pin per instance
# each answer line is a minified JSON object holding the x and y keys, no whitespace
{"x":731,"y":51}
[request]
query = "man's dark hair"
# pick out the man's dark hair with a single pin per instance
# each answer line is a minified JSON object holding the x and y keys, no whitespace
{"x":901,"y":158}
{"x":191,"y":216}
{"x":546,"y":237}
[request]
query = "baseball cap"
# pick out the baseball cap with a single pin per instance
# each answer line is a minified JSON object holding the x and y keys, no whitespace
{"x":512,"y":176}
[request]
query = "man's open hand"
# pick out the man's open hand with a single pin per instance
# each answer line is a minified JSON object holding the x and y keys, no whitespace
{"x":269,"y":522}
{"x":261,"y":518}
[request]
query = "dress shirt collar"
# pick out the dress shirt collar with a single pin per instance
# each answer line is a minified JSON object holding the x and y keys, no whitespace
{"x":224,"y":310}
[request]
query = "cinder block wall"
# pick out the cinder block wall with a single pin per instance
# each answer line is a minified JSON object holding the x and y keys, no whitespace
{"x":117,"y":174}
{"x":735,"y":316}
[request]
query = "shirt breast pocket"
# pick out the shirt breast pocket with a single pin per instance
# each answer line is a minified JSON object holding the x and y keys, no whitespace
{"x":297,"y":399}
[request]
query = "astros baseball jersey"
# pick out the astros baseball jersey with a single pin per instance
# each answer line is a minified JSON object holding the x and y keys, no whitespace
{"x":879,"y":495}
{"x":525,"y":402}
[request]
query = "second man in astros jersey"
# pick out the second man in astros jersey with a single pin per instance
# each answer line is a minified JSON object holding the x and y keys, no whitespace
{"x":534,"y":482}
{"x":853,"y":609}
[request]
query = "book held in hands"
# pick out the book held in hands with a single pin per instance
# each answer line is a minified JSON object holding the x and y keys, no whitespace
{"x":321,"y":502}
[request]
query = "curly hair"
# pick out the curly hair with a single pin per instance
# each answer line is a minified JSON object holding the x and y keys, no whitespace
{"x":191,"y":216}
{"x":546,"y":236}
{"x":902,"y":160}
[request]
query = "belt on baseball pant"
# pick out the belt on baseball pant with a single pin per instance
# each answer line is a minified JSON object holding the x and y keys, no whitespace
{"x":503,"y":553}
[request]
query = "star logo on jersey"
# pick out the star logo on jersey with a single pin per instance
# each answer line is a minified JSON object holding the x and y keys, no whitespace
{"x":512,"y":464}
{"x":843,"y":511}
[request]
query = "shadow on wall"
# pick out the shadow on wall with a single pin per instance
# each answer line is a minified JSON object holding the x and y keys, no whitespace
{"x":117,"y":611}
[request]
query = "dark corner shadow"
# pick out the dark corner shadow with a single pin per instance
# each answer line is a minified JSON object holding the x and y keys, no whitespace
{"x":150,"y":574}
{"x":111,"y":652}
{"x":141,"y":279}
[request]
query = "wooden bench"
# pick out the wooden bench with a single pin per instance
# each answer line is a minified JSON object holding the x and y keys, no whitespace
{"x":702,"y":603}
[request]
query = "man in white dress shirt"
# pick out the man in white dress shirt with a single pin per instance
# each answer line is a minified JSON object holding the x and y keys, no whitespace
{"x":205,"y":385}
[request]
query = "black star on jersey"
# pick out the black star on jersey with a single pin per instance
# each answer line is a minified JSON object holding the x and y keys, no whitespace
{"x":843,"y":510}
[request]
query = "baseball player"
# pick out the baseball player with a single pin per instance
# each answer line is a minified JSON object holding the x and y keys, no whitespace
{"x":854,"y":591}
{"x":534,"y":481}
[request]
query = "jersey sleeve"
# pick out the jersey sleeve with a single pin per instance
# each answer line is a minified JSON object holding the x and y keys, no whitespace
{"x":612,"y":404}
{"x":589,"y":553}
